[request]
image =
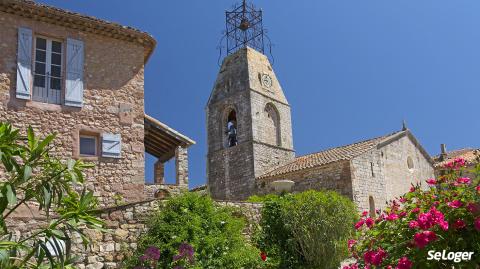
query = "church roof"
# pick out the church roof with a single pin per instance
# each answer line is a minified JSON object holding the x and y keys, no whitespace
{"x":470,"y":155}
{"x":342,"y":153}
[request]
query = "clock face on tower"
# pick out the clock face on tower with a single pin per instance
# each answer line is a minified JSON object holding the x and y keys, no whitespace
{"x":266,"y":81}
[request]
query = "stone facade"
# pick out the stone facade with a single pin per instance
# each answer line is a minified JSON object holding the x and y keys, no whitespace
{"x":247,"y":85}
{"x":370,"y":172}
{"x":113,"y":92}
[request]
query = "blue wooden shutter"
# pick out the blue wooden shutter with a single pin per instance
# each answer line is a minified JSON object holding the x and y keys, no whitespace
{"x":74,"y":68}
{"x":111,"y":145}
{"x":24,"y":63}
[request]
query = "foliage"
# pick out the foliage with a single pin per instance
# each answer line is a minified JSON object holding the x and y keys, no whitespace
{"x":212,"y":231}
{"x":445,"y":216}
{"x":30,"y":176}
{"x":306,"y":230}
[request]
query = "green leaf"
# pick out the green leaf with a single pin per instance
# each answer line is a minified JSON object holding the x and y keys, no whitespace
{"x":11,"y":197}
{"x":27,"y":172}
{"x":31,"y":138}
{"x":70,"y":164}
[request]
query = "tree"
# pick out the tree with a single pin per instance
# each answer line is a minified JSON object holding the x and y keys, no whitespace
{"x":30,"y":176}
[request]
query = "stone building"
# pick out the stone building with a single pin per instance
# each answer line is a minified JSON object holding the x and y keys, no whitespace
{"x":248,"y":94}
{"x":471,"y":157}
{"x":83,"y":79}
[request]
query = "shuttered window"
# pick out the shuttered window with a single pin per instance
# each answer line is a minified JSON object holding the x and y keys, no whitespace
{"x":47,"y":73}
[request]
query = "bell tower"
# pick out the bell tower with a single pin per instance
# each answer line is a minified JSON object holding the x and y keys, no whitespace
{"x":247,"y":96}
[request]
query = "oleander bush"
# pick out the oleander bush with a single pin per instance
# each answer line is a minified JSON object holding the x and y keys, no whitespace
{"x":306,"y":230}
{"x":30,"y":177}
{"x":191,"y":231}
{"x":443,"y":217}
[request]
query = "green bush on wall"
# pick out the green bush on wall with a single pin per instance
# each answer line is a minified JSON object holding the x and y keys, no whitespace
{"x":212,"y":230}
{"x":306,"y":230}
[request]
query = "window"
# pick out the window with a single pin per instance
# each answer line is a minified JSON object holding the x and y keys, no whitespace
{"x":410,"y":163}
{"x":88,"y":145}
{"x":371,"y":168}
{"x":371,"y":204}
{"x":272,"y":126}
{"x":231,"y":129}
{"x":47,"y":71}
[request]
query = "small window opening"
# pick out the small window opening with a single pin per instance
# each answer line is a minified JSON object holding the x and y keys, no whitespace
{"x":88,"y":145}
{"x":410,"y":163}
{"x":371,"y":203}
{"x":371,"y":168}
{"x":231,"y":129}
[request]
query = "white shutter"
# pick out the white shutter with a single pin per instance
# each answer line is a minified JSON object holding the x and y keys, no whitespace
{"x":24,"y":63}
{"x":74,"y":68}
{"x":111,"y":145}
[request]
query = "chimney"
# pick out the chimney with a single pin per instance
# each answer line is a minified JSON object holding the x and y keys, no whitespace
{"x":443,"y":154}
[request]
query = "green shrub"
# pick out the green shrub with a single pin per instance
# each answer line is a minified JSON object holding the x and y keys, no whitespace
{"x":306,"y":230}
{"x":213,"y":232}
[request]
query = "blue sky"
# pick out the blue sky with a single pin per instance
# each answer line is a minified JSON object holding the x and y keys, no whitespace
{"x":350,"y":69}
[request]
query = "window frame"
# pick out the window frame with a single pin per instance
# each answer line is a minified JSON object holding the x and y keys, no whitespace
{"x":48,"y":69}
{"x":97,"y":145}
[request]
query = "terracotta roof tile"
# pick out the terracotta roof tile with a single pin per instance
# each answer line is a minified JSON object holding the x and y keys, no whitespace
{"x":327,"y":156}
{"x":470,"y":155}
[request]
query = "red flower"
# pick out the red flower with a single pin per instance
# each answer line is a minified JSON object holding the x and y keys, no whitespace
{"x":402,"y":214}
{"x":455,"y":204}
{"x":478,"y":189}
{"x":473,"y":208}
{"x":424,"y":238}
{"x":404,"y":263}
{"x":392,"y":217}
{"x":459,"y":224}
{"x":431,"y":181}
{"x":416,"y":210}
{"x":263,"y":255}
{"x":359,"y":224}
{"x":477,"y":224}
{"x":364,"y":213}
{"x":374,"y":257}
{"x":351,"y":266}
{"x":369,"y":222}
{"x":412,"y":189}
{"x":403,"y":200}
{"x":464,"y":180}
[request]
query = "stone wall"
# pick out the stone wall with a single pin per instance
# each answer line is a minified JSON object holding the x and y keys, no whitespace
{"x":113,"y":103}
{"x":335,"y":176}
{"x":124,"y":225}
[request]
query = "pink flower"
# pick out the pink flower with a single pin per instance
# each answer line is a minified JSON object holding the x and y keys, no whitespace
{"x":403,"y":200}
{"x":455,"y":164}
{"x":402,"y":214}
{"x":351,"y":243}
{"x":455,"y":204}
{"x":431,"y":181}
{"x":359,"y":224}
{"x":351,"y":266}
{"x":416,"y":210}
{"x":459,"y":224}
{"x":424,"y":238}
{"x":392,"y":217}
{"x":476,"y":223}
{"x":369,"y":222}
{"x":364,"y":213}
{"x":374,"y":257}
{"x":412,"y":189}
{"x":404,"y":263}
{"x":413,"y":224}
{"x":464,"y":180}
{"x":478,"y":189}
{"x":473,"y":208}
{"x":443,"y":225}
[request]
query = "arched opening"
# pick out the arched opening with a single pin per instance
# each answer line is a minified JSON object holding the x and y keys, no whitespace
{"x":272,"y":127}
{"x":410,"y":163}
{"x":371,"y":203}
{"x":230,"y":128}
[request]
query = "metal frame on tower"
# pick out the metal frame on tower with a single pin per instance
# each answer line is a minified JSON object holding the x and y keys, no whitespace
{"x":244,"y":27}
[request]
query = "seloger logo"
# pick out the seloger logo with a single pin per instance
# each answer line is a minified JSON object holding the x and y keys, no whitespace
{"x":449,"y":256}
